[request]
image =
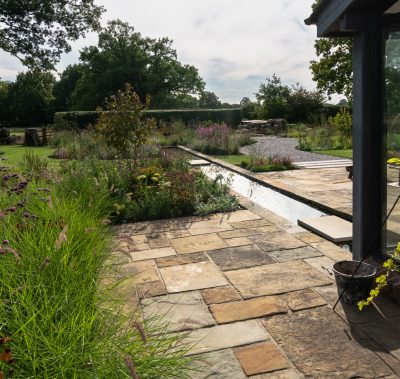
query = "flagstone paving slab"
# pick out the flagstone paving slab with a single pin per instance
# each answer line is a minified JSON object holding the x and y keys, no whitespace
{"x":247,"y":309}
{"x":220,"y":295}
{"x":192,"y":277}
{"x":181,"y":259}
{"x":234,"y":258}
{"x":183,"y":311}
{"x":320,"y":345}
{"x":276,"y":241}
{"x":141,"y":272}
{"x":309,"y":237}
{"x":276,"y":279}
{"x":242,"y":215}
{"x":226,"y":336}
{"x":239,"y":241}
{"x":250,"y":224}
{"x":269,"y":229}
{"x":332,"y":251}
{"x":152,"y":253}
{"x":281,"y":374}
{"x":157,"y":241}
{"x":294,"y":254}
{"x":323,"y":265}
{"x":240,"y":233}
{"x":218,"y":365}
{"x":261,"y":358}
{"x":150,"y":289}
{"x":211,"y":226}
{"x":177,"y":234}
{"x":302,"y":299}
{"x":196,"y":244}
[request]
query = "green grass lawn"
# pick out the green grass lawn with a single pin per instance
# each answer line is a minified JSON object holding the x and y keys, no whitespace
{"x":346,"y":153}
{"x":233,"y":159}
{"x":15,"y":153}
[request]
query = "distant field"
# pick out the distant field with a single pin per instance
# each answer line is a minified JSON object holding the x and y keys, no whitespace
{"x":15,"y":153}
{"x":347,"y":153}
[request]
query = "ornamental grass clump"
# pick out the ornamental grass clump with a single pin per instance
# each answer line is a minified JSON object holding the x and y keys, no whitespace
{"x":58,"y":316}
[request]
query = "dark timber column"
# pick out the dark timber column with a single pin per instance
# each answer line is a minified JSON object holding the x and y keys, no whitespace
{"x":369,"y":194}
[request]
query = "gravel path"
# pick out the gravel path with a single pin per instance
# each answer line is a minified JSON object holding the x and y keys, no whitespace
{"x":267,"y":146}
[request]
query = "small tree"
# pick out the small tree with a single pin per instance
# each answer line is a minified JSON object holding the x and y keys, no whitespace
{"x":124,"y":124}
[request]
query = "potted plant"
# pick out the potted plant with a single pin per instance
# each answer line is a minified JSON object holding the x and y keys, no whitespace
{"x":391,"y":265}
{"x":354,"y":280}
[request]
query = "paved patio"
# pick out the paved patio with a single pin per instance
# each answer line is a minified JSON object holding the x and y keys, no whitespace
{"x":254,"y":294}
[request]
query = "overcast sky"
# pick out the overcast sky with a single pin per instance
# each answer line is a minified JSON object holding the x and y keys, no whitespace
{"x":235,"y":44}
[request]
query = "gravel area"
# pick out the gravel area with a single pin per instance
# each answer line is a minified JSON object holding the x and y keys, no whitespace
{"x":267,"y":146}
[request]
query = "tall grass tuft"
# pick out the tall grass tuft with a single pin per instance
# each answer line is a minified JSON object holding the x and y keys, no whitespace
{"x":56,"y":320}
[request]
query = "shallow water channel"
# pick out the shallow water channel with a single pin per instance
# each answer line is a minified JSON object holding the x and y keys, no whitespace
{"x":282,"y":205}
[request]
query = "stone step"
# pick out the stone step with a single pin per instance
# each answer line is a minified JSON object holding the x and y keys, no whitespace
{"x":332,"y":228}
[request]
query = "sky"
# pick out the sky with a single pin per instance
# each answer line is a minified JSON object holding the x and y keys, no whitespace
{"x":235,"y":44}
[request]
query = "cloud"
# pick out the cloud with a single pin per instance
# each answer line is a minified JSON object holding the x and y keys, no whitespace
{"x":234,"y":44}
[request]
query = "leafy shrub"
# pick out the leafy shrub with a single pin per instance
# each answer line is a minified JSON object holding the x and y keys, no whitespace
{"x":82,"y":119}
{"x":125,"y":126}
{"x":342,"y":122}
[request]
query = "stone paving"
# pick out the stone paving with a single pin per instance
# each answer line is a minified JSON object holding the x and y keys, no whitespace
{"x":254,"y":294}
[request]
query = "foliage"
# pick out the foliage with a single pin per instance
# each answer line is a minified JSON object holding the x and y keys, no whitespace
{"x":258,"y":162}
{"x":29,"y":98}
{"x":392,"y":265}
{"x":125,"y":56}
{"x":37,"y":33}
{"x":209,"y":100}
{"x":250,"y":109}
{"x":333,"y":70}
{"x":5,"y":138}
{"x":125,"y":126}
{"x":219,"y":139}
{"x":277,"y":100}
{"x":36,"y":166}
{"x":81,"y":120}
{"x":343,"y":122}
{"x":58,"y":316}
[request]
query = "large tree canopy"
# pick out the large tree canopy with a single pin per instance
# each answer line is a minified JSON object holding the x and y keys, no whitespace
{"x":124,"y":56}
{"x":38,"y":31}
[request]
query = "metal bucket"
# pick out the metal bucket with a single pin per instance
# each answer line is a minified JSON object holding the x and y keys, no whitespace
{"x":355,"y":289}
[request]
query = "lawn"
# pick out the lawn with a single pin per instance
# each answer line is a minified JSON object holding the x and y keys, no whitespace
{"x":233,"y":159}
{"x":346,"y":153}
{"x":15,"y":153}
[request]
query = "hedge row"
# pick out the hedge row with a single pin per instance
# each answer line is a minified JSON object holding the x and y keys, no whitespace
{"x":81,"y":120}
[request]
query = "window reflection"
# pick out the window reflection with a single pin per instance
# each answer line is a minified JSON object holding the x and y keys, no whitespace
{"x":392,"y":122}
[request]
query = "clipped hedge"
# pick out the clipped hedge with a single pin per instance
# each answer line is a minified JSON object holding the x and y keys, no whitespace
{"x":81,"y":119}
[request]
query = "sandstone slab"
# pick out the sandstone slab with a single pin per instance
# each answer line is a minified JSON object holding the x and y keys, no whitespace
{"x":220,"y":295}
{"x":150,"y":289}
{"x":332,"y":251}
{"x":218,"y":365}
{"x":234,"y":258}
{"x":323,"y":265}
{"x":152,"y":253}
{"x":276,"y":278}
{"x":225,"y":336}
{"x":181,"y":259}
{"x":260,"y":358}
{"x":303,"y":299}
{"x":240,"y":233}
{"x":276,"y":241}
{"x":192,"y":277}
{"x":183,"y":311}
{"x":141,"y":272}
{"x":177,"y":234}
{"x":309,"y":237}
{"x":157,"y":241}
{"x":247,"y":309}
{"x":196,"y":244}
{"x":210,"y":226}
{"x":294,"y":254}
{"x":321,"y":345}
{"x":281,"y":374}
{"x":242,"y":215}
{"x":250,"y":224}
{"x":239,"y":241}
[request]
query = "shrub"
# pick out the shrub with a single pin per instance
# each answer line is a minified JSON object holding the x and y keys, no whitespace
{"x":82,"y":119}
{"x":5,"y":138}
{"x":343,"y":122}
{"x":125,"y":126}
